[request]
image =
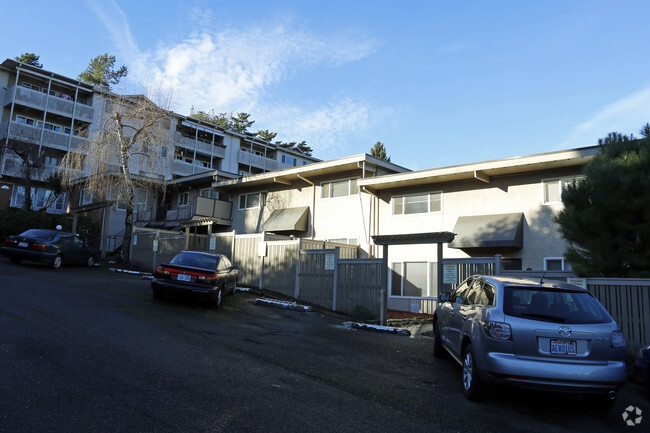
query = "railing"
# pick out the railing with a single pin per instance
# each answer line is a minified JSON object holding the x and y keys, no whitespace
{"x":202,"y":207}
{"x":183,"y":168}
{"x":32,"y":134}
{"x":55,"y":104}
{"x":201,"y":146}
{"x":14,"y":167}
{"x":247,"y":158}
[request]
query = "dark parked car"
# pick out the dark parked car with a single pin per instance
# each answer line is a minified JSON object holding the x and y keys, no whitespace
{"x":533,"y":334}
{"x":204,"y":275}
{"x":53,"y":247}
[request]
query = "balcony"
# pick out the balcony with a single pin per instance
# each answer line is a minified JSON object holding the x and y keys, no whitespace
{"x":201,"y":146}
{"x":203,"y":207}
{"x":32,"y":134}
{"x":14,"y":167}
{"x":266,"y":164}
{"x":55,"y":104}
{"x":182,"y":168}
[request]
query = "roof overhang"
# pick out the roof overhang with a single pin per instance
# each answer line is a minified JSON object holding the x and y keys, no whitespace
{"x":305,"y":172}
{"x":482,"y":171}
{"x":489,"y":231}
{"x":288,"y":219}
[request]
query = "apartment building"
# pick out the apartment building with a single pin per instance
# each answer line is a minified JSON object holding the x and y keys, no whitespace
{"x":503,"y":207}
{"x":51,"y":114}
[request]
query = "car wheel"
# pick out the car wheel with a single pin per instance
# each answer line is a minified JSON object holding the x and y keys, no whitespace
{"x":91,"y":261}
{"x":158,"y":294}
{"x":438,"y":350}
{"x":234,"y":287}
{"x":15,"y":260}
{"x":57,"y":262}
{"x":471,"y":380}
{"x":216,"y":298}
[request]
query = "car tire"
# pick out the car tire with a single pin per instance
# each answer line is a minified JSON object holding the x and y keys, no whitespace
{"x":216,"y":298}
{"x":471,"y":380}
{"x":234,"y":287}
{"x":158,"y":294}
{"x":57,"y":262}
{"x":91,"y":261}
{"x":438,"y":350}
{"x":15,"y":260}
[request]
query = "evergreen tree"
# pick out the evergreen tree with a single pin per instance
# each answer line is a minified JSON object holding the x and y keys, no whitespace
{"x":29,"y":59}
{"x":379,"y":151}
{"x":101,"y":73}
{"x":241,"y":122}
{"x":606,"y":215}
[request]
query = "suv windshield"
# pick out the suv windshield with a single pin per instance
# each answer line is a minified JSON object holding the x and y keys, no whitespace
{"x":559,"y":306}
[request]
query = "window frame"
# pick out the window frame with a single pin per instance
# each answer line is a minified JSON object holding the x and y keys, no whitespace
{"x":329,"y":183}
{"x":403,"y":197}
{"x":263,"y":195}
{"x":566,"y":266}
{"x":561,"y":182}
{"x":426,"y":292}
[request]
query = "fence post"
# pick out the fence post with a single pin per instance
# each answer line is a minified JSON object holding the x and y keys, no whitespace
{"x":155,"y":249}
{"x":336,"y":282}
{"x":497,"y":264}
{"x":297,"y":288}
{"x":383,"y":294}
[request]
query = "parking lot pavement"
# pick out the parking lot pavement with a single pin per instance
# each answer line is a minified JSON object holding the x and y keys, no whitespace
{"x":89,"y":350}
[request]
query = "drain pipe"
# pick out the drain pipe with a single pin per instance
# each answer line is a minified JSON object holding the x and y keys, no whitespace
{"x":374,"y":215}
{"x":313,"y":203}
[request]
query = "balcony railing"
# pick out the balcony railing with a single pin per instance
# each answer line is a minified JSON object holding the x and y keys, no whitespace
{"x":201,"y":146}
{"x":66,"y":107}
{"x":202,"y":207}
{"x":14,"y":167}
{"x":267,"y":164}
{"x":183,"y":168}
{"x":32,"y":134}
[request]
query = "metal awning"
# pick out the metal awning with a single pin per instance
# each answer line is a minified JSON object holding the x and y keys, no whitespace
{"x":489,"y":231}
{"x":289,"y":219}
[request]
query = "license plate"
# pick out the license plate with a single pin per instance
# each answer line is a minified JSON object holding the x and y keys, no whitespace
{"x":184,"y":277}
{"x":563,"y":347}
{"x":22,"y":244}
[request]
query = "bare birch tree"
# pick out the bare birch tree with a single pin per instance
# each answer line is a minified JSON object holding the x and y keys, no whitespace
{"x":127,"y":153}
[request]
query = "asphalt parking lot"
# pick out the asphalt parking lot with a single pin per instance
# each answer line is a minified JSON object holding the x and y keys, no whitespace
{"x":89,"y":350}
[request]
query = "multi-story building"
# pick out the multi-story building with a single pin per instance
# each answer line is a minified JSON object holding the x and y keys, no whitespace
{"x":50,"y":115}
{"x":503,"y":207}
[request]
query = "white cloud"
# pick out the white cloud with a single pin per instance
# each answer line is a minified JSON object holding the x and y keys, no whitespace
{"x":627,"y":116}
{"x":228,"y":68}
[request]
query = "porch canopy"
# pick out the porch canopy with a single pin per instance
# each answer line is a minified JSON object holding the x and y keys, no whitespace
{"x":288,"y":219}
{"x":489,"y":231}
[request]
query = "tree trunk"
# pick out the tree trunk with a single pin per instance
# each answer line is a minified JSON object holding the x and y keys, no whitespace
{"x":125,"y":251}
{"x":27,"y":204}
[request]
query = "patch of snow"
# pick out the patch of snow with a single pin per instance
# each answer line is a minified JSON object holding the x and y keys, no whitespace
{"x":281,"y":304}
{"x":377,"y":328}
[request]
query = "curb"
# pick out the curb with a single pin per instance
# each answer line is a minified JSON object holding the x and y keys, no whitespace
{"x":280,"y":304}
{"x":377,"y":328}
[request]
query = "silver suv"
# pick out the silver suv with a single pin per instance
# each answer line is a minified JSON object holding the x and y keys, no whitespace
{"x":531,"y":333}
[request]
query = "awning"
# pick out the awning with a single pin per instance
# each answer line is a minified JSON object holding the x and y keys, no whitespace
{"x":489,"y":231}
{"x":289,"y":219}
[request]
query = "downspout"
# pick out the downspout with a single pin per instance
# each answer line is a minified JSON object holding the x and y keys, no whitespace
{"x":374,"y":215}
{"x":313,"y":203}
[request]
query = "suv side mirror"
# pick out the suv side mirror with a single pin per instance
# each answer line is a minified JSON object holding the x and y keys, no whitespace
{"x":444,"y":297}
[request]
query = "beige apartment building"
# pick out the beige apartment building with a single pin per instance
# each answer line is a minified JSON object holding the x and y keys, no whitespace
{"x":503,"y":207}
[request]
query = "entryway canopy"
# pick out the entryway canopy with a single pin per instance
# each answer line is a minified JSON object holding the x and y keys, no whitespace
{"x":288,"y":219}
{"x":489,"y":231}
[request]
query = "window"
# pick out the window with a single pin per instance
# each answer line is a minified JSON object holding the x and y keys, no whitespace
{"x":253,"y":200}
{"x":51,"y":160}
{"x":556,"y":264}
{"x":24,"y":120}
{"x":140,"y":198}
{"x":410,"y":279}
{"x":209,"y":193}
{"x":163,"y":152}
{"x":85,"y":197}
{"x":553,"y":188}
{"x":289,"y":160}
{"x":39,"y":198}
{"x":340,"y":188}
{"x":417,"y":203}
{"x":183,"y":199}
{"x":348,"y":241}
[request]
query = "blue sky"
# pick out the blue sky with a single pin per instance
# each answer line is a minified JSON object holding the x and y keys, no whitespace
{"x":438,"y":82}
